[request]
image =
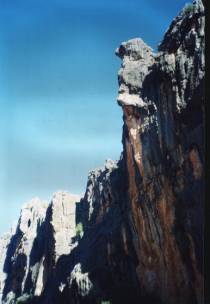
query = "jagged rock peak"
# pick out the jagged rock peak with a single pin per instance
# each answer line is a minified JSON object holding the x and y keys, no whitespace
{"x":134,"y":49}
{"x":17,"y":248}
{"x":32,"y":212}
{"x":60,"y":195}
{"x":109,"y":165}
{"x":190,"y":18}
{"x":35,"y":203}
{"x":180,"y":59}
{"x":44,"y":232}
{"x":137,"y":58}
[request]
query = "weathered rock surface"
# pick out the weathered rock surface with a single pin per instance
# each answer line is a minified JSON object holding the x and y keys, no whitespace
{"x":63,"y":221}
{"x":4,"y":242}
{"x":16,"y":266}
{"x":137,"y":234}
{"x":163,"y":151}
{"x":44,"y":232}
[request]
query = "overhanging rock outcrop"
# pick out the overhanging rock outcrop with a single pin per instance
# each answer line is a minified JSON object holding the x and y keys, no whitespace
{"x":162,"y":97}
{"x":137,"y":234}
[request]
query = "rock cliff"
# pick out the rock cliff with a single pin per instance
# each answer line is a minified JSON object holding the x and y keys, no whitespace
{"x":137,"y":234}
{"x":162,"y":100}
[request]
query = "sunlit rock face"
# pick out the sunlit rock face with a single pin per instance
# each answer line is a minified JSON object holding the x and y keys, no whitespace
{"x":63,"y":221}
{"x":104,"y":258}
{"x":4,"y":242}
{"x":136,"y":236}
{"x":162,"y":98}
{"x":44,"y":232}
{"x":17,"y":250}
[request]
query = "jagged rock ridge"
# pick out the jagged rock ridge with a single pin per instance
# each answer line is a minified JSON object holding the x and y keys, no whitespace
{"x":137,"y":234}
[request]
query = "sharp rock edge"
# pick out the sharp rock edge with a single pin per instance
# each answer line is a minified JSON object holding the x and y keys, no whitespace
{"x":136,"y":236}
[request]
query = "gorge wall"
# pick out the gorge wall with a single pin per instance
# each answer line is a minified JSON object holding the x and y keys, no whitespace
{"x":137,"y":234}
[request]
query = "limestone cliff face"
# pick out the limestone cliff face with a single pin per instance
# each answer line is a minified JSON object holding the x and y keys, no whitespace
{"x":16,"y":266}
{"x":4,"y":242}
{"x":163,"y":107}
{"x":137,"y":234}
{"x":44,"y":232}
{"x":162,"y":100}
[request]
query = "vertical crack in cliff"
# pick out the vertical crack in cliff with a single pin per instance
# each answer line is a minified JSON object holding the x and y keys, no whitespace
{"x":137,"y":234}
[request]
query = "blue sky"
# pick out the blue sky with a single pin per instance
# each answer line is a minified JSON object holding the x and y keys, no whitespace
{"x":58,"y":88}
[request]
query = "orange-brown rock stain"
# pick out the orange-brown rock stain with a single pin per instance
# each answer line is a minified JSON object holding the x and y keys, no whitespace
{"x":196,"y":163}
{"x":161,"y":269}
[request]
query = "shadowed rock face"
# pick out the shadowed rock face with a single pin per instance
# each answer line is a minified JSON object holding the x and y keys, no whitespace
{"x":137,"y":234}
{"x":163,"y":151}
{"x":16,"y":266}
{"x":162,"y":100}
{"x":44,"y":232}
